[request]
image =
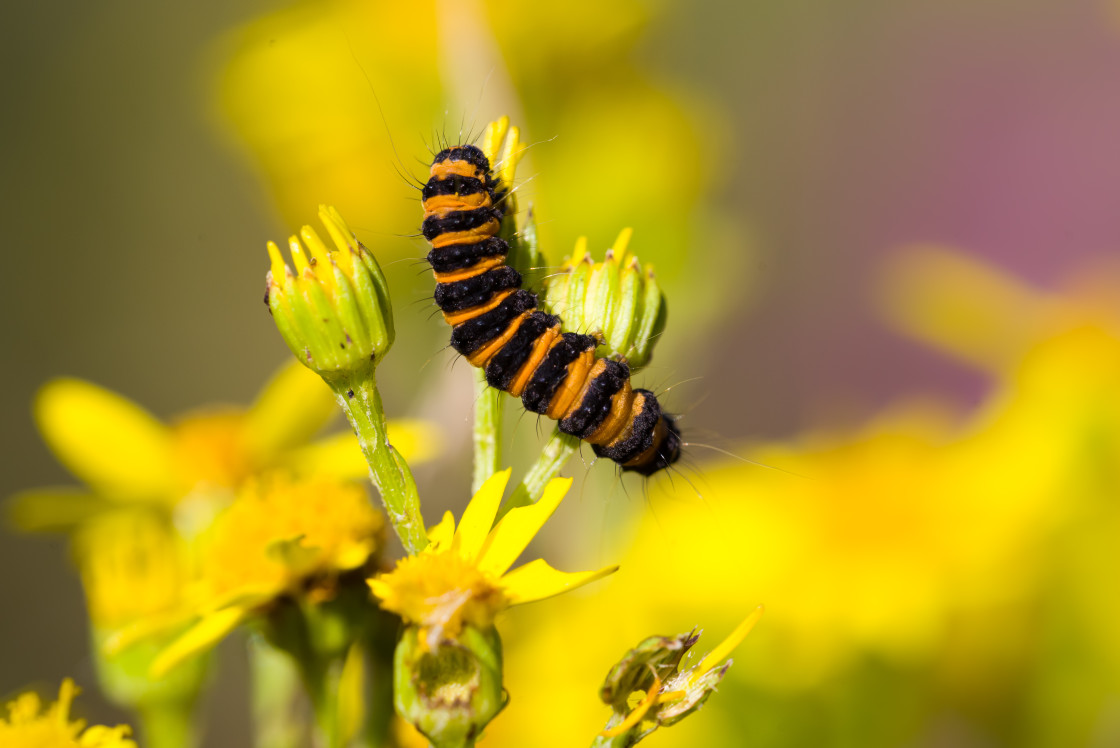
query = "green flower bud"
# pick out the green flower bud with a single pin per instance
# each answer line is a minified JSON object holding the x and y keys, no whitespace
{"x":647,"y":688}
{"x":333,"y":310}
{"x":451,"y":693}
{"x":617,"y":299}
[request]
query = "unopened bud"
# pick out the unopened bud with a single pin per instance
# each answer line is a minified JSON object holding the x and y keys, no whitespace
{"x":452,"y":692}
{"x":617,"y":299}
{"x":333,"y":308}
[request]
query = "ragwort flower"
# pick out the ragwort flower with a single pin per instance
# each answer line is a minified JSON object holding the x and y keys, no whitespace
{"x":29,"y":726}
{"x":462,"y":578}
{"x":448,"y":663}
{"x":125,"y":455}
{"x":282,"y":542}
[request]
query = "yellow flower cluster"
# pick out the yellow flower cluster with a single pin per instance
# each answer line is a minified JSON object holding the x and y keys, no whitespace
{"x":29,"y":726}
{"x":965,"y":553}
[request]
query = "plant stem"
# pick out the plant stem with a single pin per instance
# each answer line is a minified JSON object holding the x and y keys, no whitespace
{"x":556,"y":453}
{"x":487,"y":430}
{"x":361,"y":402}
{"x":276,"y":691}
{"x":322,"y":686}
{"x":168,"y":724}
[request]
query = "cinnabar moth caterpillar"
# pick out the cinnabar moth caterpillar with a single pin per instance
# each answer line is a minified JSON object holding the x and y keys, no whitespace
{"x":496,"y":325}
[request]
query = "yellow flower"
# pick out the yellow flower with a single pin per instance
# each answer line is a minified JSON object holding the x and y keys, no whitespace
{"x":125,"y":455}
{"x":28,"y":726}
{"x":463,"y":578}
{"x":346,"y":134}
{"x":281,"y":538}
{"x":133,"y":565}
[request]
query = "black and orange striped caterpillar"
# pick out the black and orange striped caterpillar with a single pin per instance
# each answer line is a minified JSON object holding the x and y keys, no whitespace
{"x":496,"y":325}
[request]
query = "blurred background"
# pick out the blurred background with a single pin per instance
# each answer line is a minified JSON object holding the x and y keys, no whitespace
{"x":887,"y":233}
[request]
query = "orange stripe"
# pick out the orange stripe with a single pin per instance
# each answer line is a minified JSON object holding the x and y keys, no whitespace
{"x":621,"y":414}
{"x":636,"y":404}
{"x":456,"y":318}
{"x":541,"y":348}
{"x":472,"y":236}
{"x":441,"y":205}
{"x":445,"y":169}
{"x":482,"y":356}
{"x":478,"y":268}
{"x":580,"y":372}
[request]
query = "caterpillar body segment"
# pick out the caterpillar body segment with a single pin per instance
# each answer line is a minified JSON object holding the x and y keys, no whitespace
{"x":497,"y":326}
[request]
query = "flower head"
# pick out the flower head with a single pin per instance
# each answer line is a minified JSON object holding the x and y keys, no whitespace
{"x":647,"y":689}
{"x":333,"y":309}
{"x":462,"y":579}
{"x":28,"y":725}
{"x":616,"y":299}
{"x":282,"y":539}
{"x":129,"y":458}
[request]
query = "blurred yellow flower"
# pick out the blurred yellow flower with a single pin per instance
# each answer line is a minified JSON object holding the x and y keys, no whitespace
{"x":302,"y":88}
{"x":281,"y":537}
{"x":29,"y":726}
{"x":125,"y":455}
{"x":463,"y":578}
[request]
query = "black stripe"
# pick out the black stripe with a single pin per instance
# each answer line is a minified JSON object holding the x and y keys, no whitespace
{"x":459,"y":220}
{"x":595,"y":406}
{"x":552,"y":372}
{"x":467,"y":337}
{"x":454,"y":184}
{"x":641,"y":435}
{"x":460,"y":256}
{"x":470,"y":153}
{"x":505,"y":364}
{"x":476,"y":290}
{"x":641,"y":439}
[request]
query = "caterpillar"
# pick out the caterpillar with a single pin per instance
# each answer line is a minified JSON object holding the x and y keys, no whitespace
{"x":496,"y":326}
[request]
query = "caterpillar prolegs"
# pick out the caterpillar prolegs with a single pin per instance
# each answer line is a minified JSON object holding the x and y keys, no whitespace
{"x":496,"y":325}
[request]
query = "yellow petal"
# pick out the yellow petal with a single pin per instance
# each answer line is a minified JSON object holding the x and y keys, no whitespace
{"x":339,"y":455}
{"x":293,"y":406}
{"x":537,"y":580}
{"x":53,"y":509}
{"x":518,"y":528}
{"x":720,"y":653}
{"x":440,"y":536}
{"x":202,"y":636}
{"x":106,"y":440}
{"x":962,"y":305}
{"x":417,"y":440}
{"x":479,"y":515}
{"x":634,"y":717}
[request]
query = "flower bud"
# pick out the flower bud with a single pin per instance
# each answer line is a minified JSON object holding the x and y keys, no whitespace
{"x":452,"y":692}
{"x":648,"y":689}
{"x":333,"y":309}
{"x":616,"y":299}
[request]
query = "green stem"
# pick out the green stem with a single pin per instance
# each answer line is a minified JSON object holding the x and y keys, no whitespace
{"x":623,"y":740}
{"x":168,"y":724}
{"x":556,"y":453}
{"x":487,"y":430}
{"x":361,"y":401}
{"x":322,"y":687}
{"x":276,"y":691}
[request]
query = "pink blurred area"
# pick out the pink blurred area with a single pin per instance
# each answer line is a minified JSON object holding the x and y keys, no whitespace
{"x":986,"y":126}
